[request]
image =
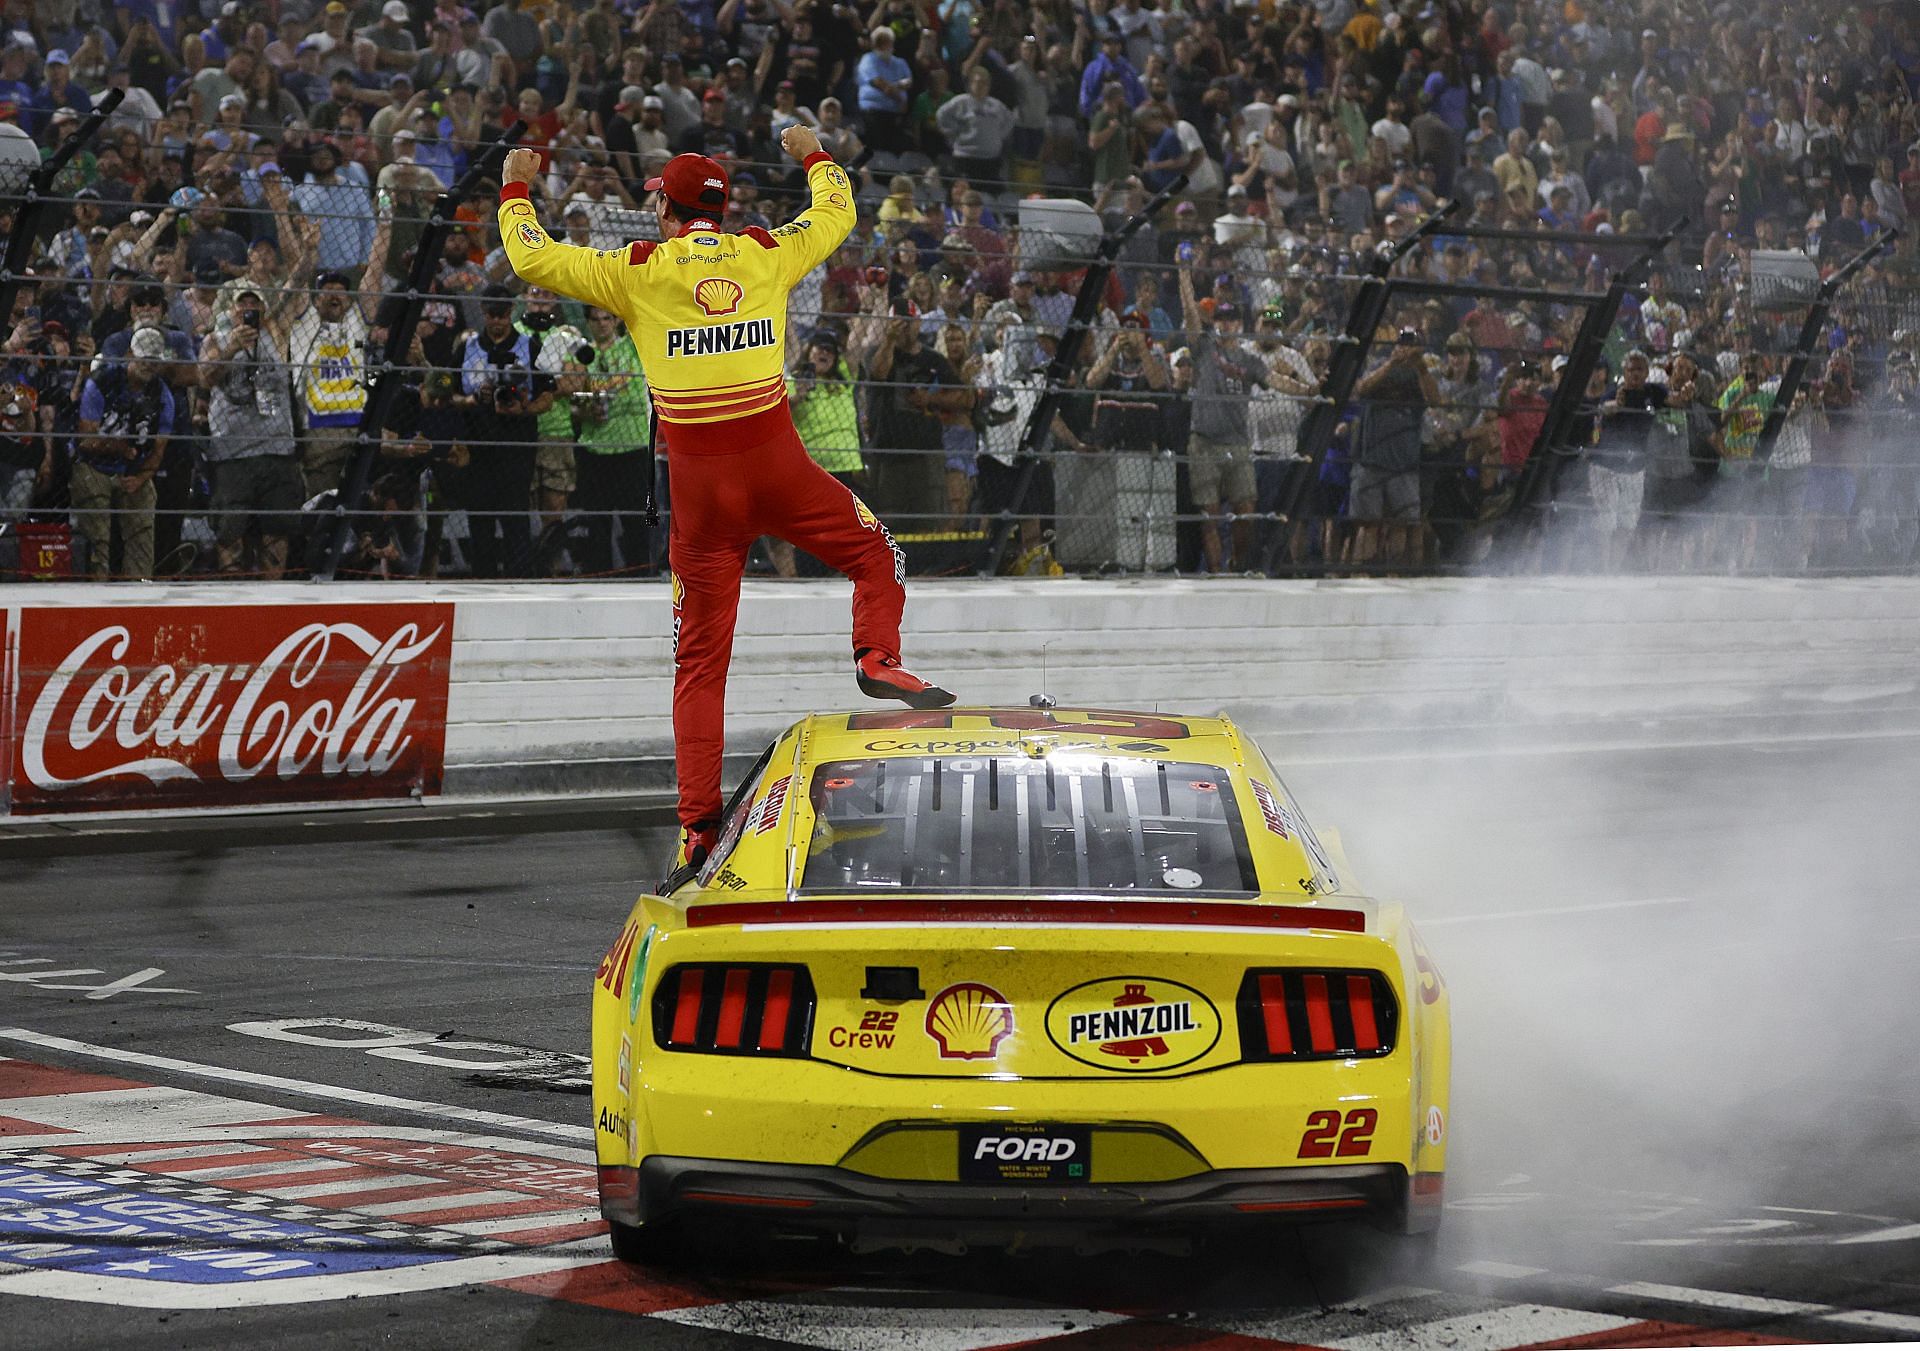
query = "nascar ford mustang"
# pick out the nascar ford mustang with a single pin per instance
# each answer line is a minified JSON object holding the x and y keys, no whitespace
{"x":1002,"y":974}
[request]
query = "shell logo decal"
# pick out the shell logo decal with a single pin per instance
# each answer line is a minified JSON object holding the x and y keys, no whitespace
{"x":718,"y":295}
{"x":1436,"y":1125}
{"x":1134,"y":1024}
{"x":531,"y":235}
{"x":868,"y":521}
{"x":968,"y":1021}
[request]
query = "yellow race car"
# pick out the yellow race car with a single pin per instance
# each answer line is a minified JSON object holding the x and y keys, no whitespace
{"x":1015,"y":975}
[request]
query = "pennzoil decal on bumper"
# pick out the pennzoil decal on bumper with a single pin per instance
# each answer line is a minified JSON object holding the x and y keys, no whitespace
{"x":1134,"y":1024}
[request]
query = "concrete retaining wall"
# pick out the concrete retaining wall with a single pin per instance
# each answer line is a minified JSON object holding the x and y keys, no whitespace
{"x":568,"y":687}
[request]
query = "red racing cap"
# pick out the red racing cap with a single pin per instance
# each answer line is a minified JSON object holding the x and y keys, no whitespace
{"x":693,"y":182}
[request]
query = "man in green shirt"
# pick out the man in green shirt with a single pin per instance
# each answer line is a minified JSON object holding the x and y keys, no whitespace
{"x":820,"y":397}
{"x":1740,"y":496}
{"x":613,"y":471}
{"x":555,"y":472}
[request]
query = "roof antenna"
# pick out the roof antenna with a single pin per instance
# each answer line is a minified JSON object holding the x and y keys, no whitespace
{"x":1042,"y":699}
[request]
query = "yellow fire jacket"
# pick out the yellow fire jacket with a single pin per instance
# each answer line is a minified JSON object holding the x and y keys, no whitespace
{"x":707,"y":310}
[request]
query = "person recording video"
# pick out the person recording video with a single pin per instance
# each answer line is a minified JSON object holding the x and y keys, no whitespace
{"x":504,"y":392}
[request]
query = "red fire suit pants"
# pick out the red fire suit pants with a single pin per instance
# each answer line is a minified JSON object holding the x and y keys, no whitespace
{"x":723,"y":500}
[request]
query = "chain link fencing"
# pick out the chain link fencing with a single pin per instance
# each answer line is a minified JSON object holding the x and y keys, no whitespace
{"x":517,"y":444}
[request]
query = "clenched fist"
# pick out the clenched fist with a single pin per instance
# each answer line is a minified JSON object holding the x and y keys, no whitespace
{"x":520,"y":166}
{"x":799,"y":142}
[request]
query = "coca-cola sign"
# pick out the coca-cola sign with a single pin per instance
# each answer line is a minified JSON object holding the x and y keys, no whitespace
{"x":228,"y":705}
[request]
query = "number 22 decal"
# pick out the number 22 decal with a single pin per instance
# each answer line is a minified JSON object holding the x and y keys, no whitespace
{"x":1324,"y":1138}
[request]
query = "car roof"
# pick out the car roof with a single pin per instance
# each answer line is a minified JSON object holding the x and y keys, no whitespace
{"x":986,"y":730}
{"x":760,"y":857}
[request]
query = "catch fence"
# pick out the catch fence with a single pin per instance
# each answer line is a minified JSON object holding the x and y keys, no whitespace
{"x":1030,"y":386}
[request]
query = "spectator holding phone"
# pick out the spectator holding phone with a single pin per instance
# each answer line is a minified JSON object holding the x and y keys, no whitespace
{"x":1385,"y":497}
{"x":251,"y":453}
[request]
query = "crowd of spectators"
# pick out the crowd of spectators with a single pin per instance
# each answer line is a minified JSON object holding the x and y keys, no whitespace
{"x":213,"y":284}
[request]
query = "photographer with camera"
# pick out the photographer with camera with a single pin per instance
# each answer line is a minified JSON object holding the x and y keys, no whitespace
{"x":612,"y":412}
{"x":1617,"y":465}
{"x":251,"y":453}
{"x":26,"y":456}
{"x":388,"y":535}
{"x":1219,"y":445}
{"x":912,"y":385}
{"x":1384,"y":500}
{"x":555,"y":467}
{"x":820,"y":395}
{"x":504,"y":390}
{"x":1127,"y":379}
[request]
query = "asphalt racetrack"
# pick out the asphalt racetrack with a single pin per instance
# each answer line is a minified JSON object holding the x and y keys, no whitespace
{"x":1684,"y":1104}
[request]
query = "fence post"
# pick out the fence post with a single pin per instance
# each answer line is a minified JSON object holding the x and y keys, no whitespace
{"x":1595,"y":325}
{"x":388,"y":372}
{"x":1085,"y":305}
{"x":25,"y":221}
{"x":1803,"y":346}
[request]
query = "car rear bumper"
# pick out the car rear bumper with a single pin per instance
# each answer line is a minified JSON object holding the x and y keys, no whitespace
{"x":813,"y":1197}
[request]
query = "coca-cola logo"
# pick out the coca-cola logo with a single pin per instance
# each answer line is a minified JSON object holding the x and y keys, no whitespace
{"x":230,"y":704}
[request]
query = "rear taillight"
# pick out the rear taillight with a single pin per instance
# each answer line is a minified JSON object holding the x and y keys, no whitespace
{"x":1316,"y":1015}
{"x":734,"y":1008}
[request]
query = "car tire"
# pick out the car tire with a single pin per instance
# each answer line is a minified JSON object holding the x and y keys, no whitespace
{"x":1418,"y":1255}
{"x":660,"y":1244}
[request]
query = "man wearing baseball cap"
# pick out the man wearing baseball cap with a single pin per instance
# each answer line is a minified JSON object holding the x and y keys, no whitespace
{"x":57,"y":91}
{"x":125,"y":419}
{"x":708,"y":313}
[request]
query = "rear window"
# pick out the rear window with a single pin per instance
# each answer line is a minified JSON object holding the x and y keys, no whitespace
{"x":1065,"y":823}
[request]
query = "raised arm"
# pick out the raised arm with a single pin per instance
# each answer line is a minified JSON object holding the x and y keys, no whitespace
{"x":572,"y":100}
{"x":816,"y":232}
{"x":221,"y":348}
{"x":761,"y":69}
{"x":143,"y":250}
{"x":1189,"y":306}
{"x":598,"y":277}
{"x":976,"y":56}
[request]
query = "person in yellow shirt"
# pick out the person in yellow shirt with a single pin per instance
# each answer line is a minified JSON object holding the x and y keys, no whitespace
{"x":707,"y":311}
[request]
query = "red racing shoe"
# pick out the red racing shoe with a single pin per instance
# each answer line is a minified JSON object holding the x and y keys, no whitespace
{"x":885,"y":678}
{"x":696,"y":846}
{"x":696,"y":843}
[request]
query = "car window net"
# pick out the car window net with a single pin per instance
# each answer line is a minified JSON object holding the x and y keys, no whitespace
{"x":1063,"y":823}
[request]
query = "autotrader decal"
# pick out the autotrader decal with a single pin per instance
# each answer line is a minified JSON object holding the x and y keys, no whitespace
{"x":1271,"y":811}
{"x":770,"y":809}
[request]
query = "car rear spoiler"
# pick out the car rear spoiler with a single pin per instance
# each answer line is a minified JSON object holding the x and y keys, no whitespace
{"x":991,"y":911}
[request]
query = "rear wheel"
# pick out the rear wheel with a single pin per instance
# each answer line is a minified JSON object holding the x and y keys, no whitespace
{"x":660,"y":1244}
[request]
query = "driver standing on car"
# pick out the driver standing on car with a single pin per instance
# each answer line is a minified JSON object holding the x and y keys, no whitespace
{"x":708,"y":313}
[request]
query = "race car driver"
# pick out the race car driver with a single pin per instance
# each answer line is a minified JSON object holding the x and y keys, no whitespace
{"x":708,"y":313}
